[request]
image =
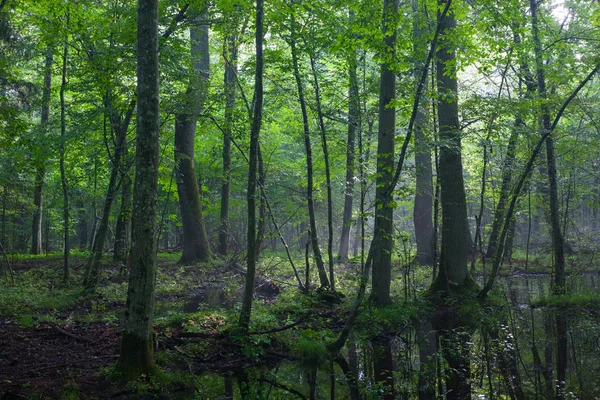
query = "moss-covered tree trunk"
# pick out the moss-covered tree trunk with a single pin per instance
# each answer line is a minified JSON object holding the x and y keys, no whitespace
{"x":137,"y":355}
{"x":195,"y":241}
{"x":384,"y":208}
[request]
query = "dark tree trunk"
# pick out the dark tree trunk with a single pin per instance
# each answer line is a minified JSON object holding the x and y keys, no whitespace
{"x":453,"y":258}
{"x":137,"y":347}
{"x":246,"y":310}
{"x":262,"y":206}
{"x":63,"y":175}
{"x":230,"y":54}
{"x":383,"y":367}
{"x":384,"y":211}
{"x":40,"y":170}
{"x":423,"y":206}
{"x":195,"y":241}
{"x":314,"y":238}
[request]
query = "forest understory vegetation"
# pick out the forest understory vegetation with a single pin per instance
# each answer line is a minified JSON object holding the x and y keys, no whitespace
{"x":60,"y":341}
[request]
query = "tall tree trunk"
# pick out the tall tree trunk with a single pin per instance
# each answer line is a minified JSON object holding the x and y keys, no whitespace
{"x":453,"y":257}
{"x":40,"y":169}
{"x":353,"y":123}
{"x":246,"y":311}
{"x":423,"y":206}
{"x":137,"y":347}
{"x":557,"y":238}
{"x":195,"y":241}
{"x":230,"y":53}
{"x":327,"y":171}
{"x":384,"y":211}
{"x":324,"y":281}
{"x":63,"y":174}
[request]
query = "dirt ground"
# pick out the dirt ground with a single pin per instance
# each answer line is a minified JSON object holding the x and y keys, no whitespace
{"x":47,"y":361}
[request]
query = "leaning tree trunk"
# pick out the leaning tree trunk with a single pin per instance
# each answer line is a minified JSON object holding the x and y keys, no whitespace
{"x":246,"y":311}
{"x":195,"y":241}
{"x":353,"y":123}
{"x":423,"y":206}
{"x":384,"y":211}
{"x":137,"y":347}
{"x":40,"y":170}
{"x":230,"y":54}
{"x":324,"y":281}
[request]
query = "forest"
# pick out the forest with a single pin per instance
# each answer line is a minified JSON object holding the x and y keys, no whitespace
{"x":300,"y":199}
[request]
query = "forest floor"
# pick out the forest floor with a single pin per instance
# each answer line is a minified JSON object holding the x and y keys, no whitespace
{"x":57,"y":342}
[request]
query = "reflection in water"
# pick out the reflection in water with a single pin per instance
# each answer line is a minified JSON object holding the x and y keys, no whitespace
{"x":516,"y":352}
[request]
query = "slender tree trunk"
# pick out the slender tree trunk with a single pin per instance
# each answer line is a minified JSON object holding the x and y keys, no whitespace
{"x":384,"y":211}
{"x":309,"y":164}
{"x":423,"y":206}
{"x":124,"y":220}
{"x":557,"y":238}
{"x":327,"y":172}
{"x":507,"y":166}
{"x":195,"y":241}
{"x":63,"y":174}
{"x":262,"y":207}
{"x":40,"y":170}
{"x":230,"y":54}
{"x":137,"y":347}
{"x":120,"y":127}
{"x":353,"y":124}
{"x":252,"y":171}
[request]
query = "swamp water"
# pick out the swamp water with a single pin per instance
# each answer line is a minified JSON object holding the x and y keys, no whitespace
{"x":514,"y":354}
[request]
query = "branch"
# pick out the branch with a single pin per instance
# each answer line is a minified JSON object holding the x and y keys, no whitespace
{"x":178,"y":18}
{"x":418,"y":95}
{"x":498,"y":256}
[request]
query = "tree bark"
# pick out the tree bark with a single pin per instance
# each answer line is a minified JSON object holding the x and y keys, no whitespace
{"x":423,"y":206}
{"x":453,"y":257}
{"x":137,"y":350}
{"x":246,"y":311}
{"x":195,"y":241}
{"x":230,"y":54}
{"x":384,"y":211}
{"x":324,"y":281}
{"x":40,"y":170}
